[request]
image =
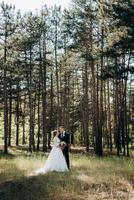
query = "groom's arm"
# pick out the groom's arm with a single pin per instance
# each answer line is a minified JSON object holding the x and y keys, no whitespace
{"x":69,"y":148}
{"x":68,"y":141}
{"x":67,"y":138}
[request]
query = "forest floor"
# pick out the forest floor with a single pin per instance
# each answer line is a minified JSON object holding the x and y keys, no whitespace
{"x":90,"y":178}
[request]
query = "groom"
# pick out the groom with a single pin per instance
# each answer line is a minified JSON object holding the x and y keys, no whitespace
{"x":65,"y":137}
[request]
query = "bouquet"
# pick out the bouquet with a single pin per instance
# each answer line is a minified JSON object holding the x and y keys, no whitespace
{"x":62,"y":145}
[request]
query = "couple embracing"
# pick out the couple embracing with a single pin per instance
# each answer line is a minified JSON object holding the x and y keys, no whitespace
{"x":58,"y":159}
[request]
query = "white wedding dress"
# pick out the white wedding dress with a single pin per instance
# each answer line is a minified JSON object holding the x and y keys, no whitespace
{"x":55,"y":160}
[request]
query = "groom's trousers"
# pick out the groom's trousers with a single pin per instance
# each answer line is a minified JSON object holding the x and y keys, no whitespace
{"x":66,"y":155}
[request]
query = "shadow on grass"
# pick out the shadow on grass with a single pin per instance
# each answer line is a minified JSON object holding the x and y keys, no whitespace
{"x":53,"y":186}
{"x":59,"y":186}
{"x":24,"y":189}
{"x":65,"y":186}
{"x":7,"y":156}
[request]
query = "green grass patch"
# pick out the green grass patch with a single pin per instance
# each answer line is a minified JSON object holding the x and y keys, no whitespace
{"x":90,"y":178}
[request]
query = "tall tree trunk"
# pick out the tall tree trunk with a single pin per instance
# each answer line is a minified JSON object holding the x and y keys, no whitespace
{"x":56,"y":68}
{"x":109,"y":116}
{"x":24,"y":121}
{"x":99,"y":150}
{"x":44,"y":95}
{"x":31,"y":117}
{"x":17,"y":113}
{"x":39,"y":123}
{"x":85,"y":106}
{"x":5,"y":94}
{"x":117,"y":118}
{"x":51,"y":124}
{"x":10,"y":115}
{"x":125,"y":116}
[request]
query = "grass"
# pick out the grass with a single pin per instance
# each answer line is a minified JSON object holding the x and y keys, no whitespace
{"x":90,"y":178}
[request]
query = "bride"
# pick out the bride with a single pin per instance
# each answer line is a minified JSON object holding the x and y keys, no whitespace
{"x":55,"y":160}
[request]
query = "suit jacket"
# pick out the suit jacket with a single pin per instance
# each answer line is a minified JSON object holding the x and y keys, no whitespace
{"x":66,"y":139}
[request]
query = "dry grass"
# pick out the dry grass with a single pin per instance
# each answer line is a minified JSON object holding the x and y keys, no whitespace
{"x":90,"y":178}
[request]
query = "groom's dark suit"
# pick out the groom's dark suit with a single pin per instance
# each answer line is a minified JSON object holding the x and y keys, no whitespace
{"x":65,"y":137}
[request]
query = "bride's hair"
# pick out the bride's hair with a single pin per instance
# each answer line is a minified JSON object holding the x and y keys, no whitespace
{"x":55,"y":132}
